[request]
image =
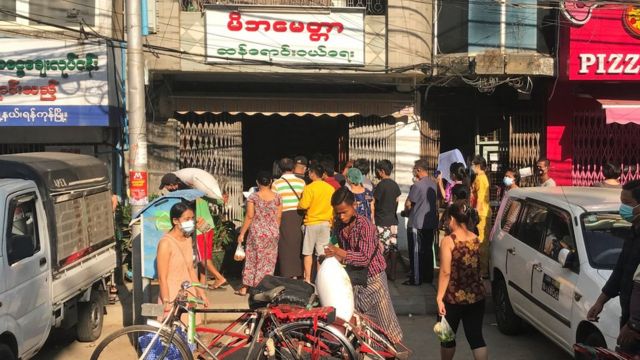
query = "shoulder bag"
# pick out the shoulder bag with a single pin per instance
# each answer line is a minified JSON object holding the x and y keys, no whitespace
{"x":292,"y":189}
{"x":360,"y":274}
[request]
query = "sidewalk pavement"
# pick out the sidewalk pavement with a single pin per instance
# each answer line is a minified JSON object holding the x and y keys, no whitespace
{"x":412,"y":300}
{"x":415,"y":300}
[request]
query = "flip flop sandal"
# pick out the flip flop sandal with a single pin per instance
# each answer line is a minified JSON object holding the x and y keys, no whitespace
{"x":222,"y":284}
{"x":237,"y":292}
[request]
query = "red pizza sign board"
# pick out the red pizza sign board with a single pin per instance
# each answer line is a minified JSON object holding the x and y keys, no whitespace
{"x":607,"y":45}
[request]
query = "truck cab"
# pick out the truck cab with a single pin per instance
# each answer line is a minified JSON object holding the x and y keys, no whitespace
{"x":57,"y":248}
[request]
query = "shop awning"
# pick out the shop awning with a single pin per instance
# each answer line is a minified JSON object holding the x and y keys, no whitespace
{"x":399,"y":108}
{"x":621,"y":111}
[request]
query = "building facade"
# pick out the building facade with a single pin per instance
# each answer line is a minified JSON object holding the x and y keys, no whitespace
{"x":494,"y":65}
{"x":255,"y":81}
{"x":57,"y":76}
{"x":594,"y":108}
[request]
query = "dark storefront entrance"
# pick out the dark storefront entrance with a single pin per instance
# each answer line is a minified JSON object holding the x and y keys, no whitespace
{"x":272,"y":137}
{"x":235,"y":146}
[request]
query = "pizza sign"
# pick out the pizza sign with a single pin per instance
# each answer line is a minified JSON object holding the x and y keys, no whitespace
{"x":604,"y":43}
{"x":631,"y":19}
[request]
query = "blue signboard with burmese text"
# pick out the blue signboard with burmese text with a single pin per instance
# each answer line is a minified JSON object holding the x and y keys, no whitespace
{"x":53,"y":83}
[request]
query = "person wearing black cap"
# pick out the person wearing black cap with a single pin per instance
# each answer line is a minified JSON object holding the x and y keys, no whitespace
{"x":171,"y":182}
{"x":300,"y":168}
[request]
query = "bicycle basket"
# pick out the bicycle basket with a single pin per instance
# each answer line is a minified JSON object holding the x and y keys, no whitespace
{"x":157,"y":349}
{"x":297,"y":292}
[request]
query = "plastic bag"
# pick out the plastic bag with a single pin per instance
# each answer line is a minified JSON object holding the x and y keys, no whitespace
{"x":239,"y":255}
{"x":159,"y":347}
{"x":444,"y":331}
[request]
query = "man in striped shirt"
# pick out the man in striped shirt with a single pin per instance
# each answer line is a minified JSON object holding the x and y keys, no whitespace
{"x":290,"y":188}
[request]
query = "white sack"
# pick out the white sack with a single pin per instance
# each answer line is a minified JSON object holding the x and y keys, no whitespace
{"x":334,"y":288}
{"x":201,"y":180}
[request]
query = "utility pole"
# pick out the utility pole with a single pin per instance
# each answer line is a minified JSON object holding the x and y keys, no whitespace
{"x":138,"y":184}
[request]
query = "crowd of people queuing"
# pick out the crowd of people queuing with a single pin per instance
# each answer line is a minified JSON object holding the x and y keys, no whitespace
{"x":309,"y":211}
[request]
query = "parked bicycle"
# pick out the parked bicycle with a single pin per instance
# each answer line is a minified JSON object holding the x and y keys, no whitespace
{"x":273,"y":331}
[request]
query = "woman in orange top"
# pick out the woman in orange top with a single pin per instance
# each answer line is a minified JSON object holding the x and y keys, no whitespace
{"x":175,"y":256}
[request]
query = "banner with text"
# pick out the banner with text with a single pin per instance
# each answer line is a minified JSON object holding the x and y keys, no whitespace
{"x":305,"y":36}
{"x":604,"y":42}
{"x":53,"y":83}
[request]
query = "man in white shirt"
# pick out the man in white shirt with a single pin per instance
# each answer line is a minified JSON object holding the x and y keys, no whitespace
{"x":542,"y":171}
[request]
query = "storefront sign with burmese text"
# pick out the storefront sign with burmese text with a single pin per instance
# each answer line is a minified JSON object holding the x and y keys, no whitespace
{"x":53,"y":83}
{"x":607,"y":45}
{"x":306,"y":36}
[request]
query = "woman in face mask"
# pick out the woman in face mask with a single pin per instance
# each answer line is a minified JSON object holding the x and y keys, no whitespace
{"x":262,"y":221}
{"x":175,"y":260}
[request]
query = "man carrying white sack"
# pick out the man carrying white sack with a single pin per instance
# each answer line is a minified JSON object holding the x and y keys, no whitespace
{"x":360,"y":251}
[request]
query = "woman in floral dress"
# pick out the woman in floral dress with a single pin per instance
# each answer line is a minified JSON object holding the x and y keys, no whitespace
{"x":460,"y":289}
{"x":262,"y":221}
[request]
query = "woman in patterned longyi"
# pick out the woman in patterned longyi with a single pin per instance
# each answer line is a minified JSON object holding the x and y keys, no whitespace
{"x":460,"y":289}
{"x":262,"y":221}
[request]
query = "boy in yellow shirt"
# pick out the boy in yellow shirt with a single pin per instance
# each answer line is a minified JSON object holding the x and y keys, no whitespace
{"x":316,"y":201}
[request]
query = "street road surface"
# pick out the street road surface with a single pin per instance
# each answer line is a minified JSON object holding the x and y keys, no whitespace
{"x":418,"y":331}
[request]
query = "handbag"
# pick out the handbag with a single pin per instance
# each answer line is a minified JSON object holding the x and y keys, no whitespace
{"x":360,"y":274}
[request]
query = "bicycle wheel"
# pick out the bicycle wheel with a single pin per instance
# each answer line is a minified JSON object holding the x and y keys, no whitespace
{"x":371,"y":342}
{"x":132,"y":341}
{"x":300,"y":340}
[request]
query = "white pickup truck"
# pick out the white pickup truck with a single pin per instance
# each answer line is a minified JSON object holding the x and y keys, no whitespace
{"x":57,"y":248}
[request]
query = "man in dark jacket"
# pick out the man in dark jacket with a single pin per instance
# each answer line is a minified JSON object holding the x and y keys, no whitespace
{"x":629,"y":338}
{"x":620,"y":282}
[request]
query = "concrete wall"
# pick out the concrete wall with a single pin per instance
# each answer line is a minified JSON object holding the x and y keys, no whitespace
{"x":407,"y":152}
{"x":410,"y":29}
{"x":409,"y":39}
{"x":162,"y":151}
{"x":167,"y":35}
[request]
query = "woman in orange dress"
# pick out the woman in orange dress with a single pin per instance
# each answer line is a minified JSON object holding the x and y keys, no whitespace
{"x":175,"y":261}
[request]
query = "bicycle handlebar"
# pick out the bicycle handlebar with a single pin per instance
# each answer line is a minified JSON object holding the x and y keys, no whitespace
{"x":188,"y":284}
{"x":195,"y":300}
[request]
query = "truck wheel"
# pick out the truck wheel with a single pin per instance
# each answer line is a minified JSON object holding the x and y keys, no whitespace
{"x":90,"y":317}
{"x":508,"y":322}
{"x":6,"y":352}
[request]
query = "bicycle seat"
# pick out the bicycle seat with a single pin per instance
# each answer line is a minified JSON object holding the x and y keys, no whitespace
{"x":269,"y":296}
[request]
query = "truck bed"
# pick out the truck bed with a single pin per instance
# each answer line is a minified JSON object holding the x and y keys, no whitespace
{"x":71,"y":280}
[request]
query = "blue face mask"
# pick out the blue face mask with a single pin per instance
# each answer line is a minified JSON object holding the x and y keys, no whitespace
{"x":626,"y":212}
{"x":507,"y":181}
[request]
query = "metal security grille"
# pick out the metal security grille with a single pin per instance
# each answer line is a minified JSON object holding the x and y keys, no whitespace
{"x":430,"y":140}
{"x":83,"y":222}
{"x":595,"y":142}
{"x":372,"y":138}
{"x":215,"y":145}
{"x":525,"y":142}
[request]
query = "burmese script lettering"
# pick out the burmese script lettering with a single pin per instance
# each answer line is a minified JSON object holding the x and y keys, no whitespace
{"x":46,"y":92}
{"x":285,"y":51}
{"x":72,"y":62}
{"x":317,"y":30}
{"x":54,"y":114}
